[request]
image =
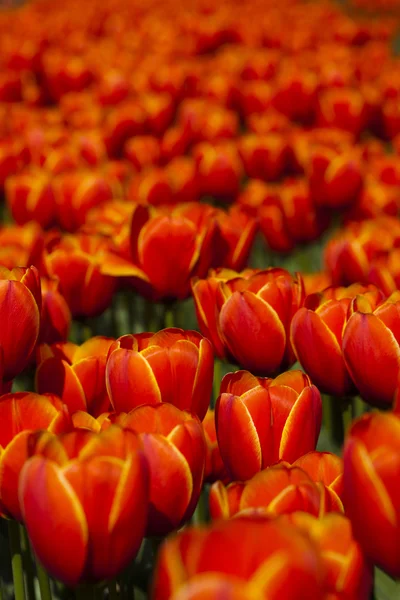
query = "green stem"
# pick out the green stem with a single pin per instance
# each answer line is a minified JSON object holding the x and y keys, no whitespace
{"x":112,"y":590}
{"x":336,"y":423}
{"x":85,"y":592}
{"x":150,"y":316}
{"x":347,"y":415}
{"x":27,"y":563}
{"x":216,"y":380}
{"x":16,"y":560}
{"x":44,"y":581}
{"x":201,"y":514}
{"x":170,"y":315}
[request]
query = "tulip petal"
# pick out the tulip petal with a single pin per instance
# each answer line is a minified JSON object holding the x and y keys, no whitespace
{"x":372,"y":357}
{"x":253,"y":332}
{"x":50,"y":505}
{"x":91,"y":373}
{"x":130,"y":380}
{"x":56,"y":376}
{"x":319,"y":353}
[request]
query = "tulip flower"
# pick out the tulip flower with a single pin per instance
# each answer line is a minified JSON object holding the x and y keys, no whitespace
{"x":371,"y":492}
{"x":344,"y":108}
{"x":76,"y":537}
{"x":247,"y":316}
{"x":20,"y":245}
{"x":346,"y":571}
{"x":371,"y":349}
{"x":261,"y":421}
{"x":30,"y":197}
{"x":324,"y":467}
{"x":317,"y":334}
{"x":172,"y":366}
{"x":20,"y":307}
{"x":55,"y":319}
{"x":280,"y":489}
{"x":242,"y":559}
{"x":264,"y":157}
{"x":77,"y":261}
{"x":22,"y":413}
{"x":215,"y":468}
{"x":175,"y":449}
{"x":219,"y":169}
{"x":75,"y":373}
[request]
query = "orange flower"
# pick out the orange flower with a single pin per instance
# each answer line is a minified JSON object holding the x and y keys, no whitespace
{"x":247,"y":316}
{"x":56,"y":317}
{"x":78,"y":262}
{"x":172,"y":366}
{"x":371,"y":347}
{"x":238,"y":560}
{"x":174,"y":446}
{"x":371,"y":491}
{"x":20,"y":306}
{"x":30,"y":197}
{"x":215,"y":468}
{"x":219,"y":169}
{"x":264,"y":157}
{"x":20,"y":414}
{"x":76,"y":374}
{"x":281,"y":489}
{"x":261,"y":421}
{"x":76,"y":537}
{"x":346,"y":571}
{"x":317,"y":334}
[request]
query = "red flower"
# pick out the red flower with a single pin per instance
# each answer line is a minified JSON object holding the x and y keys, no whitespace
{"x":261,"y":421}
{"x":89,"y":493}
{"x":371,"y":491}
{"x":175,"y":449}
{"x":172,"y":366}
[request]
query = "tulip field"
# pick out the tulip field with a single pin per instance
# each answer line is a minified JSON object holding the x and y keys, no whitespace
{"x":200,"y":300}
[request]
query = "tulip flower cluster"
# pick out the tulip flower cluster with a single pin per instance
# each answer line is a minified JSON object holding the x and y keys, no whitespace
{"x":197,"y":202}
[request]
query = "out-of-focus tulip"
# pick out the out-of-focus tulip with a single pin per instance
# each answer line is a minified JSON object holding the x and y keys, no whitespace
{"x":22,"y":413}
{"x":261,"y":421}
{"x":30,"y":197}
{"x":20,"y":307}
{"x":219,"y":170}
{"x":371,"y":348}
{"x":240,"y":559}
{"x":89,"y":493}
{"x":20,"y":245}
{"x":317,"y":334}
{"x":172,"y":366}
{"x":247,"y":316}
{"x":142,"y":151}
{"x":174,"y":445}
{"x":280,"y":489}
{"x":77,"y":261}
{"x":347,"y":574}
{"x":371,"y":491}
{"x":56,"y":317}
{"x":76,"y":374}
{"x":264,"y":157}
{"x":316,"y":282}
{"x":344,"y":108}
{"x":167,"y":248}
{"x":215,"y":468}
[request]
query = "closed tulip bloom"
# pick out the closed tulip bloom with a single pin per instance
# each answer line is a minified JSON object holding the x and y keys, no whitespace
{"x":175,"y":449}
{"x":75,"y":373}
{"x":317,"y":334}
{"x":215,"y":469}
{"x":56,"y":317}
{"x":261,"y":421}
{"x":20,"y":306}
{"x":371,"y":490}
{"x":371,"y":348}
{"x":22,"y":413}
{"x":172,"y":366}
{"x":84,"y":499}
{"x":238,"y":560}
{"x":30,"y":197}
{"x":325,"y":467}
{"x":247,"y":316}
{"x":77,"y":261}
{"x":346,"y":572}
{"x":281,"y":489}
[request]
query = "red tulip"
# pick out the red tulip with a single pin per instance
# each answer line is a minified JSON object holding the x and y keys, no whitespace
{"x":175,"y":449}
{"x":76,"y":374}
{"x":261,"y":421}
{"x":371,"y":348}
{"x":317,"y":334}
{"x":30,"y":197}
{"x":55,"y":319}
{"x":280,"y":489}
{"x":20,"y":306}
{"x":172,"y":366}
{"x":215,"y":468}
{"x":371,"y":491}
{"x":238,"y":560}
{"x":20,"y":414}
{"x":76,"y":537}
{"x":247,"y":316}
